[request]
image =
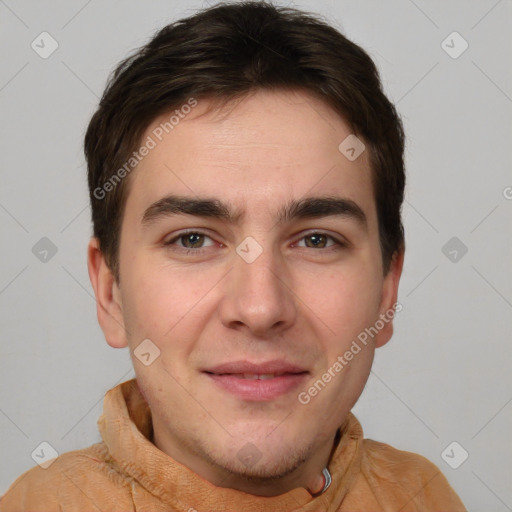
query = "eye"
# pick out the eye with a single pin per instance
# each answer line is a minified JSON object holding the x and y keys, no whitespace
{"x":319,"y":240}
{"x":190,"y":241}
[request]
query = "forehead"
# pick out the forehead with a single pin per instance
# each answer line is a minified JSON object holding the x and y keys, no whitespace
{"x":269,"y":147}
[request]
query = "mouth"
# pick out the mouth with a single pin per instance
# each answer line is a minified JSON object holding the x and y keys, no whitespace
{"x":257,"y":381}
{"x":255,"y":376}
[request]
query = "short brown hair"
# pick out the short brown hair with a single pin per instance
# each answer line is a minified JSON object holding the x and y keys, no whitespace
{"x":223,"y":53}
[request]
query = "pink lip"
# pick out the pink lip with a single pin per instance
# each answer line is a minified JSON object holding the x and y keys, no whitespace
{"x":258,"y":390}
{"x":229,"y":376}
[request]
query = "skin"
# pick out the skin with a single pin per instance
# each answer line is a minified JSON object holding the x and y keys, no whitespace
{"x":296,"y":301}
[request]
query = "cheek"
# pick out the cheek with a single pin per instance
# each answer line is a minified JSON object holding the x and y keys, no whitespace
{"x":162,"y":303}
{"x":346,"y":301}
{"x":152,"y":292}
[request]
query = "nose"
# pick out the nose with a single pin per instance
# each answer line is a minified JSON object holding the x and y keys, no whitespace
{"x":258,"y":295}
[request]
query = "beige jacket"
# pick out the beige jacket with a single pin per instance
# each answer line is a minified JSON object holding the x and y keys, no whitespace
{"x":126,"y":472}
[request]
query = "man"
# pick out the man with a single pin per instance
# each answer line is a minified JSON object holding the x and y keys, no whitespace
{"x":246,"y":177}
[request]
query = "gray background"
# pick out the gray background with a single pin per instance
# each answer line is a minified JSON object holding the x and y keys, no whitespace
{"x":446,"y":374}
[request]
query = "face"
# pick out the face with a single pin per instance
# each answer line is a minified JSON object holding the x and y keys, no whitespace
{"x":251,"y":299}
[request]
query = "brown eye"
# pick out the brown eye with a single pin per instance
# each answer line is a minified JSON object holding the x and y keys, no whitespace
{"x":317,"y":240}
{"x":320,"y":241}
{"x":189,"y":240}
{"x":194,"y":239}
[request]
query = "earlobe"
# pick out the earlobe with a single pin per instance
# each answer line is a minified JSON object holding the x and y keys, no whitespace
{"x":389,"y":298}
{"x":108,"y":303}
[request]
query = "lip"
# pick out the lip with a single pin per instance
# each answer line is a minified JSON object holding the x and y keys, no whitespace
{"x":243,"y":366}
{"x":229,"y":376}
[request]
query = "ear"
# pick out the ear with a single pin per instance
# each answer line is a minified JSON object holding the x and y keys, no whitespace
{"x":389,"y":296}
{"x":108,"y":302}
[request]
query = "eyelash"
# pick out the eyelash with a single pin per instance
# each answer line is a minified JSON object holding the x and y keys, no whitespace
{"x":201,"y":250}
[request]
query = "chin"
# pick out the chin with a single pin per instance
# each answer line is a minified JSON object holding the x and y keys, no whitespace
{"x":263,"y":468}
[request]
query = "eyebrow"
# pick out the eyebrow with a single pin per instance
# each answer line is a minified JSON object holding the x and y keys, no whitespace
{"x":306,"y":208}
